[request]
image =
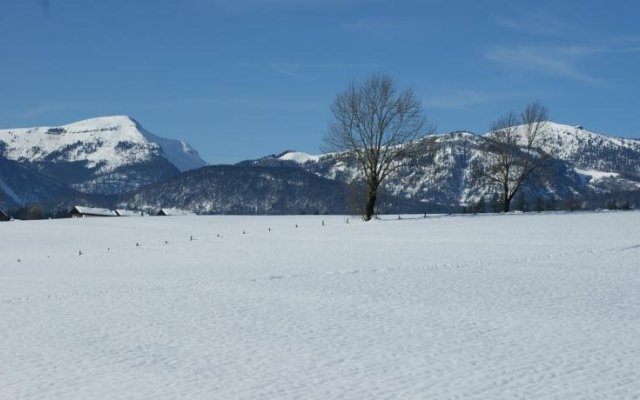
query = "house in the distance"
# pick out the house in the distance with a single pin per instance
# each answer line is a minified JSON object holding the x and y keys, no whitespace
{"x":81,"y":212}
{"x":173,"y":212}
{"x":4,"y":216}
{"x":129,"y":213}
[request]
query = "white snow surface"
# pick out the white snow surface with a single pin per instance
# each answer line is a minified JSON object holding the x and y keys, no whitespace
{"x":299,"y":157}
{"x":541,"y":306}
{"x":102,"y":136}
{"x":565,"y":141}
{"x":595,"y":175}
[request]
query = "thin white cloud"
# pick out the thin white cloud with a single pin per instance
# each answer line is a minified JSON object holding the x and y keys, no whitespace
{"x":555,"y":61}
{"x":626,"y":44}
{"x":559,"y":61}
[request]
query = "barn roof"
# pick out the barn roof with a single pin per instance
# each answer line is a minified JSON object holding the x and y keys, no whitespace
{"x":127,"y":213}
{"x":174,"y":212}
{"x":103,"y":212}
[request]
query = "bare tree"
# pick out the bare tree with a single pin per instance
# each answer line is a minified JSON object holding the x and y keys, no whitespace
{"x":514,"y":151}
{"x":378,"y":127}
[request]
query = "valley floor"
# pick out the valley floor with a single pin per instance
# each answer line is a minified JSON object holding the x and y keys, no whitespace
{"x":535,"y":306}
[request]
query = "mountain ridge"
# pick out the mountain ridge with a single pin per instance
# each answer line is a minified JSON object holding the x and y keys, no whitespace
{"x":36,"y":143}
{"x":586,"y":169}
{"x":584,"y":164}
{"x":102,"y":155}
{"x":262,"y":190}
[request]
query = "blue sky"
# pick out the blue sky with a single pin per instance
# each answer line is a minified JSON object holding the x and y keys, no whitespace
{"x":245,"y":78}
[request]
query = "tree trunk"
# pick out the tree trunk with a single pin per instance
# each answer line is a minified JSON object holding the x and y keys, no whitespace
{"x":372,"y":196}
{"x":506,"y":203}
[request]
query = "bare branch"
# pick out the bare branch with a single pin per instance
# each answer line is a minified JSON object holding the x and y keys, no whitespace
{"x":514,"y":150}
{"x":377,"y":126}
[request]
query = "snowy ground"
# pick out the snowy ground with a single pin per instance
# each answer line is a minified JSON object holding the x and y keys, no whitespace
{"x":485,"y":307}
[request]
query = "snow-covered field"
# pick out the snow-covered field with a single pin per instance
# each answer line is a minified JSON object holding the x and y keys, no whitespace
{"x":484,"y":307}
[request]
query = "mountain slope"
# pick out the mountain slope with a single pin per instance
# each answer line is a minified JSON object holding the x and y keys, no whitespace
{"x":584,"y":165}
{"x":20,"y":186}
{"x":243,"y":190}
{"x":229,"y":189}
{"x":99,"y":155}
{"x":115,"y":155}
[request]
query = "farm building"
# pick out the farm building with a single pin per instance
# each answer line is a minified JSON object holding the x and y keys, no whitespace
{"x":81,"y":212}
{"x":173,"y":212}
{"x":129,"y":213}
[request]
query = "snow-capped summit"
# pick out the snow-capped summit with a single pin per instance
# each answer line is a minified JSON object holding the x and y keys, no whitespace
{"x":590,"y":154}
{"x":298,"y":157}
{"x":104,"y":142}
{"x":99,"y":155}
{"x":569,"y":142}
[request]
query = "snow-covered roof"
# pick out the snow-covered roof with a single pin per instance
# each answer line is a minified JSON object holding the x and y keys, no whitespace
{"x":128,"y":213}
{"x":103,"y":212}
{"x":174,"y":212}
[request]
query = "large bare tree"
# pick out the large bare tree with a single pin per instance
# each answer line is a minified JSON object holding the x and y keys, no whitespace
{"x":377,"y":126}
{"x":514,"y":151}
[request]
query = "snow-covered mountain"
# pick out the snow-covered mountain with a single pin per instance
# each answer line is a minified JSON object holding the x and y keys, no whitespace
{"x":115,"y":155}
{"x":100,"y":155}
{"x":246,"y":189}
{"x":585,"y":165}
